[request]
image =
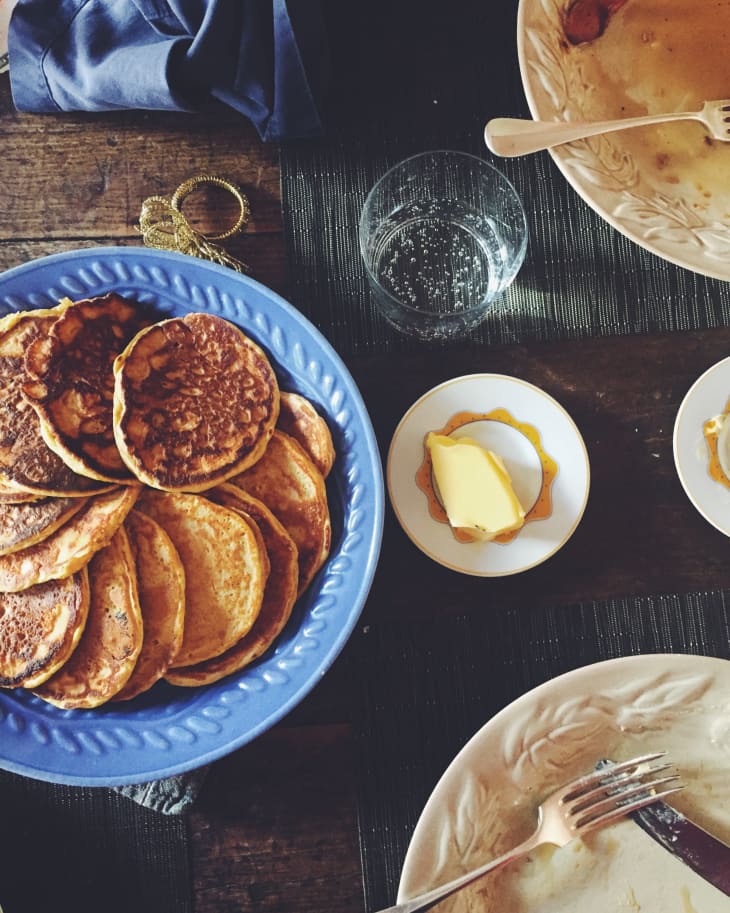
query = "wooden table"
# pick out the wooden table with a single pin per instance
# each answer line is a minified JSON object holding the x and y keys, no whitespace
{"x":275,"y":828}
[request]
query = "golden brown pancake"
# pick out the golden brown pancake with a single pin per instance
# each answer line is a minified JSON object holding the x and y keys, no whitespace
{"x":195,"y":401}
{"x":279,"y":596}
{"x":23,"y":525}
{"x":225,"y":570}
{"x":161,"y":589}
{"x":27,"y":464}
{"x":292,"y":487}
{"x":72,"y":545}
{"x":107,"y":652}
{"x":40,"y":628}
{"x":71,"y":385}
{"x":11,"y":496}
{"x":299,"y":419}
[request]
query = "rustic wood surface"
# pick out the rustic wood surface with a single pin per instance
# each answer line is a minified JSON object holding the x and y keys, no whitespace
{"x":275,"y":828}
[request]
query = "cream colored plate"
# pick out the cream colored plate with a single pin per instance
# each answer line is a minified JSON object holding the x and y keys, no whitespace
{"x":560,"y":438}
{"x":664,"y":187}
{"x":706,"y":398}
{"x":485,"y":802}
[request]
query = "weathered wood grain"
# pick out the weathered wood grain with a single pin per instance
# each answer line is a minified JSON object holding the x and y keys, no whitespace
{"x":72,"y":181}
{"x":75,"y":177}
{"x":275,"y":828}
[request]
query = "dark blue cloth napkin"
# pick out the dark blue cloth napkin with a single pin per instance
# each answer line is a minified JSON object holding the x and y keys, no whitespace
{"x":265,"y":58}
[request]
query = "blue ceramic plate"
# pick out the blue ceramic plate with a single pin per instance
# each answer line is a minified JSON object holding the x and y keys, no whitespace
{"x":171,"y":730}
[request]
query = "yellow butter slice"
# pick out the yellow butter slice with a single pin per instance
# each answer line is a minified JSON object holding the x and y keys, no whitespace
{"x":474,"y":486}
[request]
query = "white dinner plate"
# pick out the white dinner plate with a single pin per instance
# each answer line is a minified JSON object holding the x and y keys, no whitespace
{"x":560,"y":440}
{"x":706,"y":398}
{"x":486,"y":801}
{"x":665,"y":188}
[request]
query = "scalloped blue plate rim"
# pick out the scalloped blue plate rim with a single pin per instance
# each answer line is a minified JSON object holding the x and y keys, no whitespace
{"x":82,"y":748}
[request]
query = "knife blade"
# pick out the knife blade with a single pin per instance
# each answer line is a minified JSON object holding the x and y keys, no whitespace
{"x":690,"y":843}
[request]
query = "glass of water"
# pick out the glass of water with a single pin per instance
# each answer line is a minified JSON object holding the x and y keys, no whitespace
{"x":442,"y":234}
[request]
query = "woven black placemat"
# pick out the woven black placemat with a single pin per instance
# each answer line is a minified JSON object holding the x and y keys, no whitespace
{"x":423,"y":74}
{"x":427,"y":688}
{"x":86,"y":850}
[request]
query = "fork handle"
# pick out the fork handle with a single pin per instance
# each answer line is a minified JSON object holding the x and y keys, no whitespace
{"x":430,"y":898}
{"x":511,"y":136}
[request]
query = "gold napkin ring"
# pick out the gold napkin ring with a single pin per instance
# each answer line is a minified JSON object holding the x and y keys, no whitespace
{"x":163,"y":225}
{"x":187,"y":187}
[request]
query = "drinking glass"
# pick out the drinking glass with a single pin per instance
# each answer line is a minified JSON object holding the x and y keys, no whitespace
{"x":442,"y":234}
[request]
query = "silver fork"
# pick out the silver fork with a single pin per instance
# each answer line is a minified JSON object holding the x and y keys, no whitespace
{"x":510,"y":136}
{"x":590,"y":802}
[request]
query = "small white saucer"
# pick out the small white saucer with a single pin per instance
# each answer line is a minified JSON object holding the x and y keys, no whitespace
{"x":560,"y":438}
{"x":706,"y":398}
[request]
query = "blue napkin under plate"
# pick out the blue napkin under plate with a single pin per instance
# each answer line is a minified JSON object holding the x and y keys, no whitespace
{"x":170,"y":795}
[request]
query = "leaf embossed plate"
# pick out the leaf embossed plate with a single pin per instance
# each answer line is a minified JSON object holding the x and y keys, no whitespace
{"x":171,"y":730}
{"x":486,"y":801}
{"x":666,"y":188}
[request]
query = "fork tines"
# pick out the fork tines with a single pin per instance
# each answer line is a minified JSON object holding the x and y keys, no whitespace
{"x":615,"y":790}
{"x":608,"y":770}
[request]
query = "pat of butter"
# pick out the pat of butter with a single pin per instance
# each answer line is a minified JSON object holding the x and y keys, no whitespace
{"x":474,"y":487}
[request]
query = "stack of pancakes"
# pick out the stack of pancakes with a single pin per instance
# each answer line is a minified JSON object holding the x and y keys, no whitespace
{"x":162,"y":501}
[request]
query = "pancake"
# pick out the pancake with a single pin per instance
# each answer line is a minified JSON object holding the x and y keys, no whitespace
{"x":40,"y":628}
{"x":23,"y":525}
{"x":299,"y":419}
{"x":71,"y":383}
{"x":279,"y":596}
{"x":195,"y":401}
{"x":13,"y":496}
{"x":292,"y":487}
{"x":161,"y":589}
{"x":72,"y":545}
{"x":27,"y":464}
{"x":107,"y":652}
{"x":225,"y":570}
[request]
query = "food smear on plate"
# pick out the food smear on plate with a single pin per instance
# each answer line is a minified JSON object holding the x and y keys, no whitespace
{"x":617,"y":868}
{"x":540,"y":509}
{"x":716,"y":432}
{"x":656,"y":57}
{"x":475,"y":488}
{"x":586,"y":20}
{"x":185,"y":570}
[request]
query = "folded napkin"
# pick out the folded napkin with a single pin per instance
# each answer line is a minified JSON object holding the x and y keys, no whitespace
{"x":265,"y":60}
{"x":169,"y":796}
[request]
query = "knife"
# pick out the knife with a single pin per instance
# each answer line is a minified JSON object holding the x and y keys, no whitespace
{"x":702,"y":852}
{"x":690,"y":843}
